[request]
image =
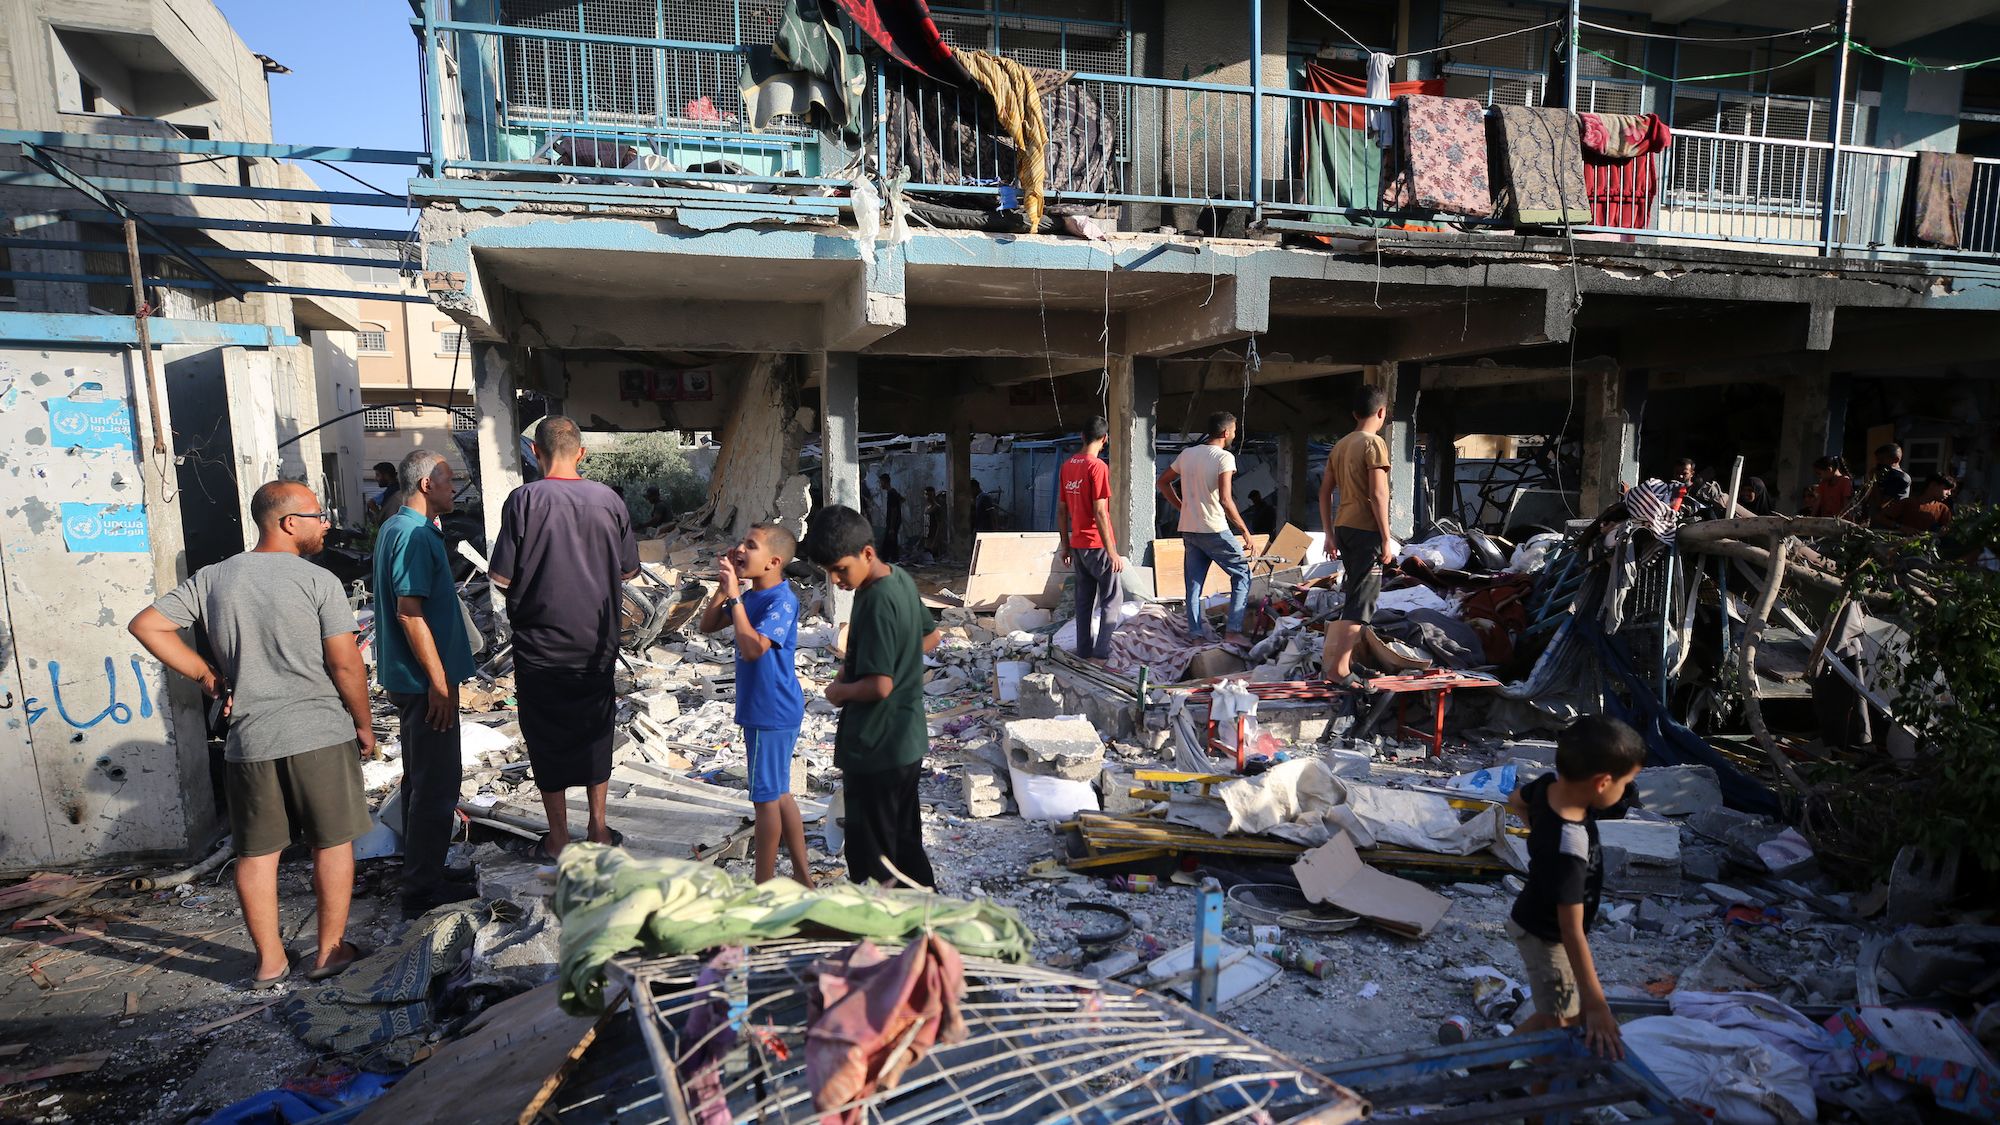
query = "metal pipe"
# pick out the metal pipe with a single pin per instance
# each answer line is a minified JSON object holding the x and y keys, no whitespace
{"x":434,"y":93}
{"x":186,"y":874}
{"x":1830,"y":180}
{"x":139,"y":314}
{"x":1575,"y":32}
{"x":1256,"y":110}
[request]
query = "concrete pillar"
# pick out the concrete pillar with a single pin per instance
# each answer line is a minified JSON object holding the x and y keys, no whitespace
{"x":1807,"y":431}
{"x":499,"y":433}
{"x":958,"y":476}
{"x":1298,"y":492}
{"x":1614,"y":407}
{"x":1135,"y":394}
{"x":840,"y":448}
{"x":1441,"y":435}
{"x":1403,"y":382}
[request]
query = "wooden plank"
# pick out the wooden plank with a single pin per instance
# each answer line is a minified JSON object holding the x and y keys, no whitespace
{"x":1169,"y":570}
{"x":997,"y":551}
{"x":1291,"y":544}
{"x":985,"y":592}
{"x":491,"y":1073}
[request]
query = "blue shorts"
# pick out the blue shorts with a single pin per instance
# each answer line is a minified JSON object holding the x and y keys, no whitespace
{"x":770,"y":754}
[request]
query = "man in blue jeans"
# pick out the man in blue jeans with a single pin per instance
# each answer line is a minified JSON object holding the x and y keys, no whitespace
{"x":1198,"y":485}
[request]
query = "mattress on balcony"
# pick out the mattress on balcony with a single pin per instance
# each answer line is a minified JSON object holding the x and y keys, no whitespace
{"x":1537,"y":159}
{"x":1441,"y":165}
{"x":949,"y":136}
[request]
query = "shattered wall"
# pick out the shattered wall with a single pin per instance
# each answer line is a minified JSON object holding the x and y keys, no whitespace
{"x":87,"y":539}
{"x":756,"y":475}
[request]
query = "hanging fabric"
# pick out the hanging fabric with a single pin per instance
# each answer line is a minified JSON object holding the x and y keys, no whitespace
{"x":806,"y":72}
{"x":1441,"y":158}
{"x":1538,"y":161}
{"x":1619,"y":172}
{"x":1938,"y":198}
{"x":905,"y":30}
{"x":1019,"y":106}
{"x":1343,"y":164}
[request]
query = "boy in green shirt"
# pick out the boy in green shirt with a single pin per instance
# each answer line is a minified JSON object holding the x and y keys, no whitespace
{"x":880,"y":744}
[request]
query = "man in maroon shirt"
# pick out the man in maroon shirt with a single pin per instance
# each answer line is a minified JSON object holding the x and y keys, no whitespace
{"x":1089,"y":544}
{"x":564,"y":552}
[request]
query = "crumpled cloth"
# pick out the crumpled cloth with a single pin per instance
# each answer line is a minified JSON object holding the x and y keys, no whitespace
{"x":611,"y":902}
{"x":1622,"y":136}
{"x":1303,"y":802}
{"x":1781,"y":1027}
{"x":1156,"y":639}
{"x":707,"y":1036}
{"x":806,"y":72}
{"x":381,"y":1012}
{"x":870,"y":1017}
{"x":1019,"y":106}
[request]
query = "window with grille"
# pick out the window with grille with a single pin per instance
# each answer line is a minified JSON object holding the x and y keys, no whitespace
{"x":379,"y":419}
{"x":626,"y":84}
{"x":451,"y":341}
{"x":372,"y":339}
{"x":463,"y":421}
{"x":1079,"y":35}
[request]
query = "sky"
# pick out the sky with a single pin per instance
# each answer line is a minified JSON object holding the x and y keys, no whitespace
{"x":355,"y":82}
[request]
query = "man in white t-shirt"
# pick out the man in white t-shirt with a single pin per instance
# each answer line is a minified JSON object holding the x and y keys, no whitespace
{"x":1204,"y":474}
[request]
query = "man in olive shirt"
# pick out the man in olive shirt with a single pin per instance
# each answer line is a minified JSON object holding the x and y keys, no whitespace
{"x":882,"y":738}
{"x":421,"y":656}
{"x":288,"y":665}
{"x":1359,"y":467}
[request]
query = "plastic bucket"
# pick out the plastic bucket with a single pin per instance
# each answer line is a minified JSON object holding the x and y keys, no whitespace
{"x":1009,"y":673}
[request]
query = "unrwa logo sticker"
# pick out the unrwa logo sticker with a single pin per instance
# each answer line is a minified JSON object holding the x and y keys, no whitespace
{"x":83,"y":527}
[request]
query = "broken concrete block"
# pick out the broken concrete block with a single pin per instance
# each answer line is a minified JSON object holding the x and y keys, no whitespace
{"x":1728,"y":896}
{"x":1539,"y":750}
{"x":1679,"y":790}
{"x":1622,"y":876}
{"x":1654,"y":916}
{"x":1644,"y":841}
{"x":1355,"y":765}
{"x":1066,"y":748}
{"x":1039,"y":698}
{"x":983,"y":788}
{"x":945,"y":681}
{"x":1114,"y":790}
{"x":659,"y":706}
{"x":1703,"y":865}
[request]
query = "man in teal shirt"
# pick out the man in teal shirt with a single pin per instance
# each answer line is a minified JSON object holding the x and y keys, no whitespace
{"x":421,"y":656}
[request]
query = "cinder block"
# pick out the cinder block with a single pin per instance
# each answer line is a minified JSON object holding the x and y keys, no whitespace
{"x":983,"y":788}
{"x":1067,"y":748}
{"x":1644,"y":841}
{"x":1114,"y":792}
{"x":1039,"y":698}
{"x":1679,"y":790}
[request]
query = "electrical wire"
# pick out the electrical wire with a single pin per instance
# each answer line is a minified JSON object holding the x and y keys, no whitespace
{"x":1820,"y":50}
{"x":1476,"y":42}
{"x":1913,"y":64}
{"x":1343,"y":31}
{"x":1828,"y":26}
{"x":359,"y":180}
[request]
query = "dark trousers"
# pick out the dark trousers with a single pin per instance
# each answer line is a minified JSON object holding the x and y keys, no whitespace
{"x":1098,"y":598}
{"x":432,"y":769}
{"x":885,"y":820}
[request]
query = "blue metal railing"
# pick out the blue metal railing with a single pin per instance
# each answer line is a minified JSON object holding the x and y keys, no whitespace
{"x":636,"y":118}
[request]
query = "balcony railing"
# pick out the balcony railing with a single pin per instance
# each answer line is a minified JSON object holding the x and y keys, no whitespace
{"x":652,"y":120}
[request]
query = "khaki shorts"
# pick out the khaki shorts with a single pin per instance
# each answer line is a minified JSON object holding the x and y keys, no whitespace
{"x":313,"y":798}
{"x":1551,"y":980}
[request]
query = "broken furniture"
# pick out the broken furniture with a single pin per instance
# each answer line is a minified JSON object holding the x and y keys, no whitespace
{"x":1113,"y":841}
{"x":1472,"y":1082}
{"x":1442,"y":681}
{"x":1041,"y":1045}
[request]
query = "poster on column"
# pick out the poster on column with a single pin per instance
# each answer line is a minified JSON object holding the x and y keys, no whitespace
{"x":105,"y":528}
{"x":85,"y":424}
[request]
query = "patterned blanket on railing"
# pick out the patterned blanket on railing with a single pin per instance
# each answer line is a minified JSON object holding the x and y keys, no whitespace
{"x":950,"y":136}
{"x":1343,"y":163}
{"x":1938,"y":198}
{"x":1441,"y":164}
{"x":1538,"y":159}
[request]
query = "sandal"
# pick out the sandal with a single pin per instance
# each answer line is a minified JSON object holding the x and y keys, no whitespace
{"x":333,"y":969}
{"x":269,"y":984}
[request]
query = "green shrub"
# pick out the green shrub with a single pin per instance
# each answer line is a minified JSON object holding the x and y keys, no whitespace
{"x":636,"y":462}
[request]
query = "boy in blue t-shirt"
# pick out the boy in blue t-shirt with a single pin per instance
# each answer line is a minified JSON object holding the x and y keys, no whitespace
{"x":757,"y":602}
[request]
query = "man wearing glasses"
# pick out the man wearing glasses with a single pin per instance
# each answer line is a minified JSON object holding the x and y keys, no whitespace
{"x":421,"y":656}
{"x":296,"y":694}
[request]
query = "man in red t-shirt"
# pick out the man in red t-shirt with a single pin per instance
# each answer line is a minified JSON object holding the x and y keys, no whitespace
{"x":1089,"y":545}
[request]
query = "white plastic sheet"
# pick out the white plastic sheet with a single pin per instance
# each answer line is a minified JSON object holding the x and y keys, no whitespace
{"x":1726,"y":1070}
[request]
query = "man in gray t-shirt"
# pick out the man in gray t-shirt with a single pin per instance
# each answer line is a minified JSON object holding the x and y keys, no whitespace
{"x":296,"y":693}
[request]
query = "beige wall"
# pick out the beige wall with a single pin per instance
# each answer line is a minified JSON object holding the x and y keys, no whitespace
{"x":415,"y":359}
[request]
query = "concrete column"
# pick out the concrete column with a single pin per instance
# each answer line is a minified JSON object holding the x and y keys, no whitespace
{"x":1298,"y":492}
{"x":1441,"y":430}
{"x":499,"y":433}
{"x":840,"y":448}
{"x":958,"y":476}
{"x":1807,"y":431}
{"x":1403,"y":382}
{"x":1135,"y":394}
{"x":1614,"y":408}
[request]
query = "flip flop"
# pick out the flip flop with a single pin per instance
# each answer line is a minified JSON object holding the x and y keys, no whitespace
{"x":269,"y":984}
{"x":333,"y":970}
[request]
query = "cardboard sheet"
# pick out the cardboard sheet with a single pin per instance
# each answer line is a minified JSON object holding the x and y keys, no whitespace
{"x":1334,"y":874}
